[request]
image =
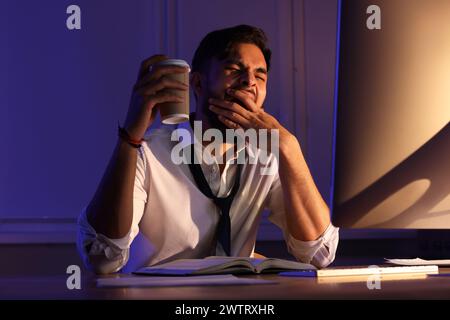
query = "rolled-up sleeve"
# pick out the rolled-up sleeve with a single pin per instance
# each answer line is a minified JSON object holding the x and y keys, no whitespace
{"x":320,"y":252}
{"x":105,"y":255}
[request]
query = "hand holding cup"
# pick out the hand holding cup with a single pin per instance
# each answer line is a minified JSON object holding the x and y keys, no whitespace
{"x":158,"y":87}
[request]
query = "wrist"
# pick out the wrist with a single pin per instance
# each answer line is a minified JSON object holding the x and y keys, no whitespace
{"x":126,"y":137}
{"x":133,"y":133}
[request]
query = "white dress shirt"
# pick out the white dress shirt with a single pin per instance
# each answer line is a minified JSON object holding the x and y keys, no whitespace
{"x":173,"y":219}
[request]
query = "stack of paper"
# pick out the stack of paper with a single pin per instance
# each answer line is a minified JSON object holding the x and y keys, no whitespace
{"x":418,"y":262}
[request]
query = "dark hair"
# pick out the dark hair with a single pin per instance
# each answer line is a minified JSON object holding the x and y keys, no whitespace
{"x":220,"y":44}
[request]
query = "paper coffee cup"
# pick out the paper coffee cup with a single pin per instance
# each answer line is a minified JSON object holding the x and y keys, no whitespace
{"x":176,"y":112}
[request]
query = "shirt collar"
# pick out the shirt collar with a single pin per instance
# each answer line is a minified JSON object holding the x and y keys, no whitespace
{"x":194,"y":139}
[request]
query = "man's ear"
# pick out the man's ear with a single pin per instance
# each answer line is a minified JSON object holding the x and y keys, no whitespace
{"x":196,"y":83}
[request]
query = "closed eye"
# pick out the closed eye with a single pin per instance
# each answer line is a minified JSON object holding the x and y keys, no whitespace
{"x":232,"y":69}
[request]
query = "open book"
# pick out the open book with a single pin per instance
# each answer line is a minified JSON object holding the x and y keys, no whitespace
{"x":223,"y":265}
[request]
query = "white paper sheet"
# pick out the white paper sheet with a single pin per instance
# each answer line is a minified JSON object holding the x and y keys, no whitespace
{"x":209,"y":280}
{"x":418,"y":262}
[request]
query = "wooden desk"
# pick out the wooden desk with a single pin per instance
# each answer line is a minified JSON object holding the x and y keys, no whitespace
{"x":54,"y":287}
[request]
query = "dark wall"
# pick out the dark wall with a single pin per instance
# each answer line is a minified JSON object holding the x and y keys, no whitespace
{"x":64,"y":91}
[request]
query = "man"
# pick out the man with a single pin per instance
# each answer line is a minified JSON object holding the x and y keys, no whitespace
{"x":144,"y":192}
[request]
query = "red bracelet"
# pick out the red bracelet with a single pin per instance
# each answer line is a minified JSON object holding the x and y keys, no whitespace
{"x":123,"y":134}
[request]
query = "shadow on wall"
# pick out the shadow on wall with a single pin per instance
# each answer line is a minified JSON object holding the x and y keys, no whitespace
{"x":382,"y":204}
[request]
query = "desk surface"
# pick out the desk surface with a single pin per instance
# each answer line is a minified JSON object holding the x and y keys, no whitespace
{"x":54,"y":287}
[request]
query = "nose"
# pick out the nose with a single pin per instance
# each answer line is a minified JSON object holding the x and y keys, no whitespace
{"x":247,"y":79}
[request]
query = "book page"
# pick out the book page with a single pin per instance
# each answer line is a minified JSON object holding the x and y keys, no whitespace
{"x":198,"y":266}
{"x":281,"y":264}
{"x":266,"y":263}
{"x":187,"y":264}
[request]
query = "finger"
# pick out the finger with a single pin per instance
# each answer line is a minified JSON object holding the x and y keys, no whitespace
{"x":157,"y":73}
{"x":144,"y":68}
{"x":235,"y":107}
{"x":164,"y":96}
{"x":160,"y":71}
{"x":229,"y":123}
{"x":164,"y":83}
{"x":231,"y":115}
{"x":244,"y":98}
{"x":151,"y":77}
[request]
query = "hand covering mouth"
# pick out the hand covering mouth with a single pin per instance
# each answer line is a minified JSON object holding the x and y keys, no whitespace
{"x":250,"y":93}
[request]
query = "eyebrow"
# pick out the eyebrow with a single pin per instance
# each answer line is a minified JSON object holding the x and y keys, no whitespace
{"x":241,"y":65}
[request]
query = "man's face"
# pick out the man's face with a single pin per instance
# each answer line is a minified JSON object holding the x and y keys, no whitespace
{"x":244,"y":70}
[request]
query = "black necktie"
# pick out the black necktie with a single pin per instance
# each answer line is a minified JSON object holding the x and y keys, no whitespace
{"x":224,"y":204}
